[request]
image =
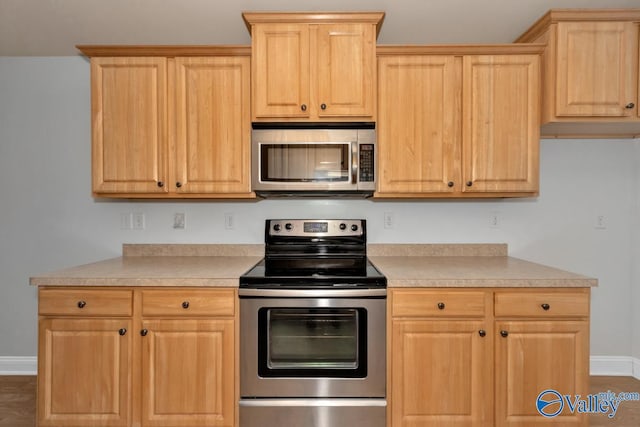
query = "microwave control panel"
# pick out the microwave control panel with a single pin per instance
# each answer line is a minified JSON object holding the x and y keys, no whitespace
{"x":366,"y":163}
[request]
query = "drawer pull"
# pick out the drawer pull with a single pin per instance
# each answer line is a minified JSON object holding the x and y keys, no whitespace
{"x":482,"y":333}
{"x":441,"y":306}
{"x":185,"y":304}
{"x":144,"y":332}
{"x":545,"y":306}
{"x":629,"y":106}
{"x":122,"y":331}
{"x":81,"y":304}
{"x":504,"y":333}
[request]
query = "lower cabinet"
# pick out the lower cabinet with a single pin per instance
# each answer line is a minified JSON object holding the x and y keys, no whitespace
{"x":187,"y":376}
{"x":84,"y":372}
{"x":481,"y":357}
{"x":137,"y":357}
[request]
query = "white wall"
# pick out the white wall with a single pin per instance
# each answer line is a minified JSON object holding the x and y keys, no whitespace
{"x":48,"y":219}
{"x":635,"y":284}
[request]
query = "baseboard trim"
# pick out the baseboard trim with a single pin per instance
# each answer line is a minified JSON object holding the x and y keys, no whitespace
{"x":25,"y":365}
{"x":599,"y":365}
{"x":615,"y":366}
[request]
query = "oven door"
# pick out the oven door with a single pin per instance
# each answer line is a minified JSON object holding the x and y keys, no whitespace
{"x":312,"y":347}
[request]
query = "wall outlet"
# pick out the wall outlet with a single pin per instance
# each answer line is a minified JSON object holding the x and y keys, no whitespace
{"x":389,"y":220}
{"x":601,"y":222}
{"x":179,"y":221}
{"x":138,"y":221}
{"x":229,"y":221}
{"x":495,"y":220}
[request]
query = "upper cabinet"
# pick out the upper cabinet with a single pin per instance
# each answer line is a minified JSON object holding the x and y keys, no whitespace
{"x":129,"y":124}
{"x":170,"y":122}
{"x":590,"y":72}
{"x":458,"y":121}
{"x":313,"y":66}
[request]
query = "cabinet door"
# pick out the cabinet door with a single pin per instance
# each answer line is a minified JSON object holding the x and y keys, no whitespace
{"x":345,"y":69}
{"x":501,"y":123}
{"x":419,"y":124}
{"x":129,"y":125}
{"x":280,"y":73}
{"x":441,"y":374}
{"x":212,"y":125}
{"x":84,"y":372}
{"x":188,"y":376}
{"x":597,"y":69}
{"x":536,"y":356}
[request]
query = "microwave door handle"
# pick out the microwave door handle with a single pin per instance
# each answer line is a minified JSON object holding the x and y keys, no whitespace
{"x":354,"y":162}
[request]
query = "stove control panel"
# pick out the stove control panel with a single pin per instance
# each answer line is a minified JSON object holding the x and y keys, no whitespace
{"x":316,"y":227}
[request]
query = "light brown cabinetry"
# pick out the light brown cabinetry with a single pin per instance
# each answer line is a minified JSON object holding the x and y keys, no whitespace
{"x":440,"y":359}
{"x":590,"y":72}
{"x":84,"y":358}
{"x":480,"y":357}
{"x":170,"y":126}
{"x":458,"y":122}
{"x":542,"y":343}
{"x":313,"y":67}
{"x":188,"y":358}
{"x":137,"y":357}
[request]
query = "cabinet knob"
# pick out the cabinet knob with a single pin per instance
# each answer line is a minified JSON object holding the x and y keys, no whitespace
{"x":144,"y":332}
{"x":482,"y":333}
{"x":450,"y":184}
{"x":323,"y":106}
{"x":630,"y":105}
{"x":469,"y":183}
{"x":122,"y":331}
{"x":178,"y":184}
{"x":160,"y":184}
{"x":185,"y":304}
{"x":504,"y":333}
{"x":303,"y":107}
{"x":545,"y":307}
{"x":81,"y":304}
{"x":441,"y":306}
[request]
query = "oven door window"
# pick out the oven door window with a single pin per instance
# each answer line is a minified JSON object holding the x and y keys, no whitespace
{"x":305,"y":162}
{"x":312,"y":342}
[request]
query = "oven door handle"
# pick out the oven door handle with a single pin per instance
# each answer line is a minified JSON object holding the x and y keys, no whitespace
{"x":313,"y":293}
{"x":314,"y":402}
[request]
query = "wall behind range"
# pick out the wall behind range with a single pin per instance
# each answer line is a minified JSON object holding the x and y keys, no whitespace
{"x":48,"y":219}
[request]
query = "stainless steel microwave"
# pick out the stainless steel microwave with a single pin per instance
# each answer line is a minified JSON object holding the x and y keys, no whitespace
{"x":314,"y":161}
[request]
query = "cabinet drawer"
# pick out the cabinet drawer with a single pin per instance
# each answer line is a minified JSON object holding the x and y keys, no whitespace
{"x":419,"y":303}
{"x":81,"y":302}
{"x":185,"y":302}
{"x":542,"y":304}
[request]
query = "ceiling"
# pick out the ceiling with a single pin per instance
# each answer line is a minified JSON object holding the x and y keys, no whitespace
{"x":54,"y":27}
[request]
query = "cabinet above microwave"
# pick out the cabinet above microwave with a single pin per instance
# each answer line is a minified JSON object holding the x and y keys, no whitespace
{"x":313,"y":67}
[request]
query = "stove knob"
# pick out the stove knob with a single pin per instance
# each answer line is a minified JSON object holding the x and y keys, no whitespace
{"x":354,"y":227}
{"x":343,"y":226}
{"x":288,"y":226}
{"x":276,"y":227}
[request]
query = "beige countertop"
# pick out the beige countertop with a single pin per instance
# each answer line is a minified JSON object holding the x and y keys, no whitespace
{"x":162,"y":265}
{"x":473,"y":271}
{"x":403,"y":265}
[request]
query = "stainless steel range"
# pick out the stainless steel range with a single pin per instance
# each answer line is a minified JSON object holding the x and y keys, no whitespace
{"x":312,"y":329}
